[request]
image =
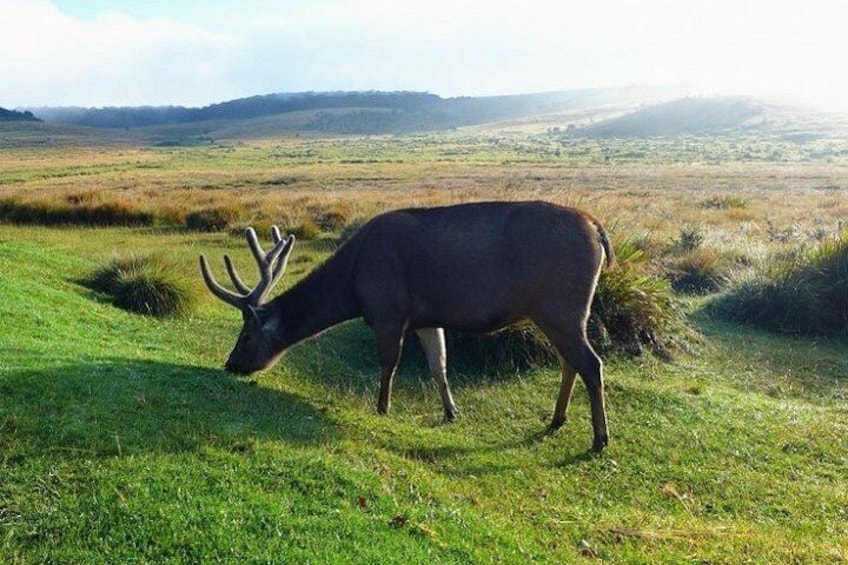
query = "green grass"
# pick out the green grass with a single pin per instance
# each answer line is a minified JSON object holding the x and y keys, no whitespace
{"x":121,"y":440}
{"x":806,"y":293}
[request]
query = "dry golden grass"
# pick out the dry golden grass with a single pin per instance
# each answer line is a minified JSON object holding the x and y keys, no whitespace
{"x":331,"y":182}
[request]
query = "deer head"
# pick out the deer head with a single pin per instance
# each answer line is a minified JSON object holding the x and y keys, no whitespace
{"x":255,"y":348}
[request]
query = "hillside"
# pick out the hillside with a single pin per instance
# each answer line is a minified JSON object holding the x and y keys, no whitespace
{"x":608,"y":113}
{"x":358,"y":112}
{"x":685,"y":116}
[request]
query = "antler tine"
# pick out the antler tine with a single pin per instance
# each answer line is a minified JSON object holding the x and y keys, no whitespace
{"x":283,"y":259}
{"x":231,"y":298}
{"x":271,"y":266}
{"x":237,"y":282}
{"x":268,"y":271}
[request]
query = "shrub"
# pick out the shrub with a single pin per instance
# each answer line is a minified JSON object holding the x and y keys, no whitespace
{"x":804,"y":295}
{"x":517,"y":347}
{"x":149,"y":285}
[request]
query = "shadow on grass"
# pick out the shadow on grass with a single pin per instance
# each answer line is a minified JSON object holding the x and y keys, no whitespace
{"x":779,"y":365}
{"x":349,"y":354}
{"x":555,"y":450}
{"x":124,"y":406}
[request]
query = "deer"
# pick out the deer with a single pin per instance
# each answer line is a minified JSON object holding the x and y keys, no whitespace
{"x":473,"y":267}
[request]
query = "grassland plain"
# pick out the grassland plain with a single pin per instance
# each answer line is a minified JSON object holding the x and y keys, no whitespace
{"x":121,"y":440}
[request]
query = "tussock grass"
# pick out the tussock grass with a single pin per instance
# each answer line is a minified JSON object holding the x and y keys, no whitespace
{"x":700,"y":271}
{"x":149,"y":285}
{"x":804,"y":292}
{"x":82,"y":212}
{"x":725,"y":202}
{"x":635,"y":310}
{"x":216,"y":218}
{"x":689,"y":239}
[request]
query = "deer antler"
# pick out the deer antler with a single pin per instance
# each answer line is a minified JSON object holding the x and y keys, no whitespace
{"x":271,"y":267}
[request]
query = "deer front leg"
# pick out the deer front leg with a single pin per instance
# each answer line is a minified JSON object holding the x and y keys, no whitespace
{"x":433,"y":342}
{"x":389,"y":345}
{"x":569,"y":376}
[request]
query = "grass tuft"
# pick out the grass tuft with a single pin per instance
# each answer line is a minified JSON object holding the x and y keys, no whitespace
{"x":700,"y":271}
{"x":726,"y":202}
{"x":515,"y":348}
{"x":149,"y":285}
{"x":690,"y":238}
{"x":634,"y":311}
{"x":805,"y":293}
{"x":76,"y":212}
{"x":219,"y":218}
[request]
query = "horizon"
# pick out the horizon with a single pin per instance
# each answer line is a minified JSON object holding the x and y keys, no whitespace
{"x":121,"y":53}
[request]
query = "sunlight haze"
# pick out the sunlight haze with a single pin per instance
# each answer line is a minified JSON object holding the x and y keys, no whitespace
{"x":120,"y":53}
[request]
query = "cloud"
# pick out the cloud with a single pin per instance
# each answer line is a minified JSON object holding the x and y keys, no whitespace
{"x":51,"y":58}
{"x":223,"y":49}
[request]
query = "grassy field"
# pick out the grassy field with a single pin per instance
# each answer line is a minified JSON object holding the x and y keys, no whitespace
{"x":122,"y":440}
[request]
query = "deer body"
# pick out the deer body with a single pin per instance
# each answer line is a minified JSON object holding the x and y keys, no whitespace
{"x":472,"y":267}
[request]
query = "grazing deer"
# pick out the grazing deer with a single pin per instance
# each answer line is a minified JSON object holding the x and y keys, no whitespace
{"x":470,"y":267}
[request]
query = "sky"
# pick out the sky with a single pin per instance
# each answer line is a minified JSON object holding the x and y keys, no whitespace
{"x":197,"y":52}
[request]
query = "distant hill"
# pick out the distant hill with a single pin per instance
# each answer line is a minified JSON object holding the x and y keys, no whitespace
{"x":14,"y":116}
{"x":709,"y":115}
{"x":632,"y":112}
{"x":356,"y":112}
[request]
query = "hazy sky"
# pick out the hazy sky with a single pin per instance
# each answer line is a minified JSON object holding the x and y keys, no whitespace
{"x":197,"y":52}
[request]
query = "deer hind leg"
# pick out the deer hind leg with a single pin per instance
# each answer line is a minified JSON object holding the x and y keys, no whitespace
{"x":578,"y":355}
{"x":433,"y":342}
{"x":389,"y":346}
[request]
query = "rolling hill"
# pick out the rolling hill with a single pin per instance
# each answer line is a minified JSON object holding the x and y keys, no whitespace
{"x":357,"y":112}
{"x":685,"y":116}
{"x":606,"y":113}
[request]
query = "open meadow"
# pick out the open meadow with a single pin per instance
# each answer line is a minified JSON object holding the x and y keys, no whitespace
{"x":122,"y":440}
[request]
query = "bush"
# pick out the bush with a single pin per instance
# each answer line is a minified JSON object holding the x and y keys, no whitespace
{"x":517,"y":347}
{"x":806,"y":294}
{"x":149,"y":285}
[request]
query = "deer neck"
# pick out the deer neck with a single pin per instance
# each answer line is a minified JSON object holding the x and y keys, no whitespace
{"x":316,"y":303}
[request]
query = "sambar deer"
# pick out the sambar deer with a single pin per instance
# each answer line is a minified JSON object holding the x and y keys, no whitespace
{"x":469,"y":267}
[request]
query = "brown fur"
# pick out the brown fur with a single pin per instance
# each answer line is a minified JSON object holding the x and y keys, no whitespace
{"x":471,"y":267}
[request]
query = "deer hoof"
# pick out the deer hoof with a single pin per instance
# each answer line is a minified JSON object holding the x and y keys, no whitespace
{"x":556,"y":424}
{"x":451,"y":414}
{"x":599,"y":443}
